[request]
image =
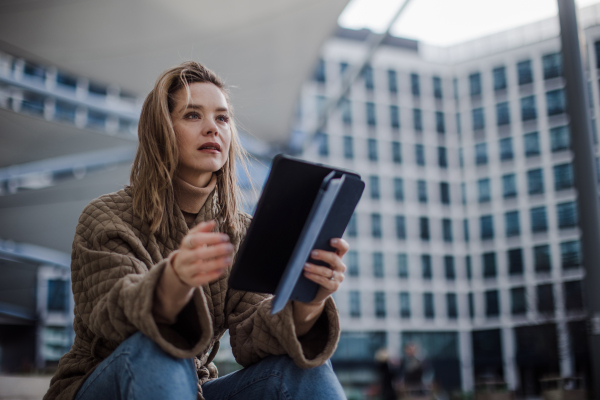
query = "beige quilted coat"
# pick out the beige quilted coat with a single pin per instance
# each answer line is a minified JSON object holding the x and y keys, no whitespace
{"x":116,"y":264}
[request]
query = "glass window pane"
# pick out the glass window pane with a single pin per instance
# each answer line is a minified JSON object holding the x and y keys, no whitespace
{"x":525,"y":74}
{"x":511,"y":221}
{"x":489,"y":265}
{"x":402,"y":260}
{"x":532,"y":144}
{"x":509,"y":186}
{"x":535,"y":181}
{"x":486,"y":224}
{"x":539,"y":221}
{"x":541,"y":258}
{"x":506,"y":149}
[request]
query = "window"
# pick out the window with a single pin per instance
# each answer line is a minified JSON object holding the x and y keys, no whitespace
{"x":354,"y":303}
{"x":396,"y":152}
{"x":400,"y":227}
{"x":376,"y":225}
{"x":489,"y":265}
{"x":555,"y":102}
{"x":57,"y":295}
{"x":319,"y":74}
{"x":398,"y":189}
{"x":499,"y":78}
{"x":509,"y":186}
{"x":541,"y":258}
{"x":475,"y":84}
{"x":352,"y":262}
{"x":367,"y":73}
{"x":420,"y":154}
{"x":545,"y":299}
{"x":394,"y":116}
{"x":323,"y":143}
{"x":528,"y":110}
{"x":378,"y":264}
{"x":455,"y":87}
{"x":417,"y":119}
{"x":486,"y":224}
{"x":404,"y":305}
{"x":570,"y":254}
{"x":447,"y":229}
{"x":466,"y":229}
{"x":538,"y":219}
{"x":471,"y":305}
{"x":461,"y":161}
{"x":492,"y":304}
{"x":560,"y":139}
{"x":402,"y":260}
{"x":463,"y":193}
{"x":346,"y":107}
{"x":351,"y":229}
{"x":483,"y":187}
{"x":444,"y":193}
{"x":511,"y":221}
{"x":348,"y":147}
{"x":321,"y":102}
{"x":518,"y":301}
{"x":422,"y":191}
{"x":415,"y":88}
{"x":66,"y":81}
{"x":440,"y":126}
{"x":449,"y":268}
{"x":451,"y":306}
{"x":481,"y":154}
{"x":532,"y":144}
{"x":597,"y":48}
{"x":469,"y":271}
{"x":563,"y":176}
{"x":515,"y":261}
{"x":478,"y":119}
{"x":567,"y":215}
{"x":552,"y":65}
{"x":573,"y":296}
{"x":535,"y":181}
{"x":525,"y":74}
{"x":442,"y":157}
{"x":371,"y":118}
{"x":343,"y":67}
{"x":426,"y":272}
{"x":458,"y":126}
{"x":65,"y":111}
{"x":506,"y":149}
{"x":374,"y":186}
{"x":502,"y":114}
{"x":392,"y":81}
{"x":437,"y":87}
{"x":372,"y":147}
{"x":428,"y":306}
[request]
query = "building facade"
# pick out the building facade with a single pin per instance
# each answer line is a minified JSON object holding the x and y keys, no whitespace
{"x":466,"y":240}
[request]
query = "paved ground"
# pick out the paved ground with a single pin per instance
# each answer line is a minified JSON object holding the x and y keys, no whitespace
{"x":23,"y":387}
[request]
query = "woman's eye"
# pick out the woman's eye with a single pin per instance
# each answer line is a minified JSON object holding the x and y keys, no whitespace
{"x":223,"y":118}
{"x":192,"y":116}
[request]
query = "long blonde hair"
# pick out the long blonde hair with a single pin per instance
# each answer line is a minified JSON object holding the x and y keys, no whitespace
{"x":157,"y":155}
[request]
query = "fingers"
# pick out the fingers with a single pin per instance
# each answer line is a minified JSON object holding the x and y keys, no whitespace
{"x":331,"y":258}
{"x":198,"y":239}
{"x":340,"y":245}
{"x":206,"y":226}
{"x":324,"y":276}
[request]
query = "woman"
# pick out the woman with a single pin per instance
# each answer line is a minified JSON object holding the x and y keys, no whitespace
{"x":150,"y":265}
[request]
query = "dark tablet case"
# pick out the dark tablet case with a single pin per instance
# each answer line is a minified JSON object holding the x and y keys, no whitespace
{"x":282,"y":212}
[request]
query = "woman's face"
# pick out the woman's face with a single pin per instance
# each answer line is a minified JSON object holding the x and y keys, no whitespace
{"x":203,"y":133}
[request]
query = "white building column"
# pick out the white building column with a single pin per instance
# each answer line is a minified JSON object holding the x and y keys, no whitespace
{"x":508,"y":358}
{"x":466,"y":360}
{"x":564,"y":348}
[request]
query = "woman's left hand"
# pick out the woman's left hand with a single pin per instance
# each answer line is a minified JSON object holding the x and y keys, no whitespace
{"x":329,"y":278}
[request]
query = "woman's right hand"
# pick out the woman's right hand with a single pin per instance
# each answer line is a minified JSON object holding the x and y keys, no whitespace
{"x":203,"y":255}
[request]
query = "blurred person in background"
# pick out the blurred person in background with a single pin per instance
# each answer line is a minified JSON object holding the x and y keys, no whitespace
{"x":150,"y":266}
{"x":387,"y":374}
{"x":413,"y":371}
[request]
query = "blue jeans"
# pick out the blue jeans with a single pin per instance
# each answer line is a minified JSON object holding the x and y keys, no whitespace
{"x":139,"y":369}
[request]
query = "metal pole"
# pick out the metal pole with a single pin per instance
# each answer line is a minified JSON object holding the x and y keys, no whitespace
{"x":585,"y":177}
{"x":374,"y":40}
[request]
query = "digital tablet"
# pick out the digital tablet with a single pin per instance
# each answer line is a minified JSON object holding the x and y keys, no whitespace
{"x":302,"y":207}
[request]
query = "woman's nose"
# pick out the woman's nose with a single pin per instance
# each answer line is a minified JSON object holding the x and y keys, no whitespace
{"x":210,"y":129}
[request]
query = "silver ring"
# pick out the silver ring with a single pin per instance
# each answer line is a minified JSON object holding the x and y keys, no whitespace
{"x":332,"y":275}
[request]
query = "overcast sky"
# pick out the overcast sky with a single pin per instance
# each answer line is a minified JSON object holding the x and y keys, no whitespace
{"x":446,"y":22}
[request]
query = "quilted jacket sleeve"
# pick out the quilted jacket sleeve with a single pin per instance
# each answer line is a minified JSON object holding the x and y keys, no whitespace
{"x":114,"y":282}
{"x":256,"y":334}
